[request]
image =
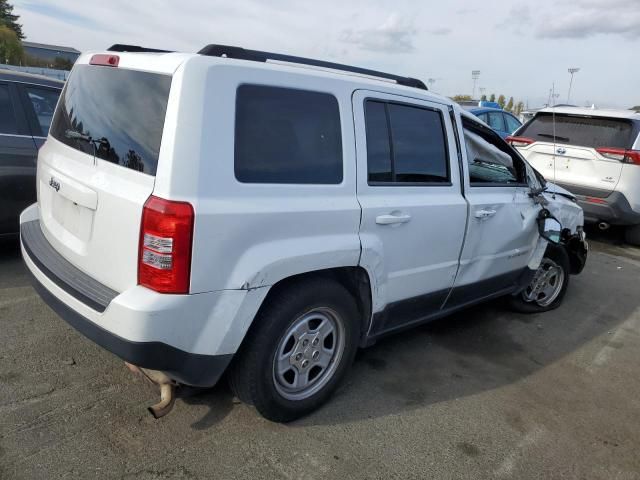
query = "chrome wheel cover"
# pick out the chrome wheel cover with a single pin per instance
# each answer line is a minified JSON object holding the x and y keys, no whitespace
{"x":546,"y":284}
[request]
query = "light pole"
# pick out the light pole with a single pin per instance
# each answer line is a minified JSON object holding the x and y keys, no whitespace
{"x":475,"y":75}
{"x":572,"y":71}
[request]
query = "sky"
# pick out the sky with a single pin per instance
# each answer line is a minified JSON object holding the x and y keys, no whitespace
{"x":522,"y":48}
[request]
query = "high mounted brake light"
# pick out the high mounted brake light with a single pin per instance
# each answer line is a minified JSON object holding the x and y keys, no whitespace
{"x":105,"y":60}
{"x":519,"y":141}
{"x":166,"y":235}
{"x":620,"y":154}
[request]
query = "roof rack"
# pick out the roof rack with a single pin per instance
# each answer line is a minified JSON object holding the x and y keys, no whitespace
{"x":259,"y":56}
{"x":119,"y":47}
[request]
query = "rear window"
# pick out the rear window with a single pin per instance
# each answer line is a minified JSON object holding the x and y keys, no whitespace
{"x":114,"y":113}
{"x":287,"y":136}
{"x":593,"y":132}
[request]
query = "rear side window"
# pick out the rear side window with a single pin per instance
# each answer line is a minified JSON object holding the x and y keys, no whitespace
{"x":8,"y":122}
{"x":44,"y":102}
{"x":284,"y":135}
{"x":114,"y":113}
{"x":405,"y":144}
{"x":593,"y":132}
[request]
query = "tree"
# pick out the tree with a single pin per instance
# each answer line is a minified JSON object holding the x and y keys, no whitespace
{"x":502,"y":101}
{"x":509,"y":107}
{"x":636,"y":108}
{"x":519,"y":108}
{"x":8,"y":19}
{"x":492,"y":98}
{"x":461,"y":98}
{"x":10,"y":46}
{"x":483,"y":98}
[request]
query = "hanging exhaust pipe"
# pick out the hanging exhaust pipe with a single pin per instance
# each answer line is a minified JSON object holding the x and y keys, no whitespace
{"x":603,"y":226}
{"x":167,"y":389}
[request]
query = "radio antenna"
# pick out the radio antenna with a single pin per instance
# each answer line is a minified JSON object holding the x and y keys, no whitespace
{"x":553,"y":121}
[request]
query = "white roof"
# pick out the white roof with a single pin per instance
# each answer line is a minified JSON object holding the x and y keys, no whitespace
{"x":593,"y":112}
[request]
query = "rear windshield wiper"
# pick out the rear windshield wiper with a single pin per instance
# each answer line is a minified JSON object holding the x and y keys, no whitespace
{"x":86,"y":138}
{"x":555,"y":137}
{"x":77,"y":136}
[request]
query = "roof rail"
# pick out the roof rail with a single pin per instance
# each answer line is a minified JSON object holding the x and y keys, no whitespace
{"x":259,"y":56}
{"x":119,"y":47}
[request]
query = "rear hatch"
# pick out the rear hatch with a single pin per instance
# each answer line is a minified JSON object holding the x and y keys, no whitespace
{"x":568,"y":149}
{"x":98,"y":165}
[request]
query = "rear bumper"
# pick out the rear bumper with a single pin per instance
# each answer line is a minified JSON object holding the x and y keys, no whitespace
{"x":184,"y":367}
{"x":614,"y":209}
{"x":192,"y":338}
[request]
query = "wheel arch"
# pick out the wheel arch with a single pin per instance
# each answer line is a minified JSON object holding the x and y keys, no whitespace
{"x":354,"y":279}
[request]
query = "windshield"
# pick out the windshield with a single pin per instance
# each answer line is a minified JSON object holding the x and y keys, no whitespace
{"x":114,"y":113}
{"x":593,"y":132}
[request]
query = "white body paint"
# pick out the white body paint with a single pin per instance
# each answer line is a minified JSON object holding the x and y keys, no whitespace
{"x":248,"y":237}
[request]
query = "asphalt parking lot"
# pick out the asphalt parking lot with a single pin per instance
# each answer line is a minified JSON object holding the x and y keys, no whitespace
{"x":484,"y":394}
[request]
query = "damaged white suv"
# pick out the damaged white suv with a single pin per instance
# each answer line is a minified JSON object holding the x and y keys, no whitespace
{"x":264,"y":215}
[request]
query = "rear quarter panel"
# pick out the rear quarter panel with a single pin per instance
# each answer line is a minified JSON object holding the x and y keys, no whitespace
{"x":252,"y":235}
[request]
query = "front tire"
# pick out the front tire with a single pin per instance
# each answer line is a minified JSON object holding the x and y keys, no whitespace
{"x":632,"y":235}
{"x":301,"y":346}
{"x":549,"y":285}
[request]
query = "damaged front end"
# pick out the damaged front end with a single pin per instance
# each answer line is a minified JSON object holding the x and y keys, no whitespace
{"x":562,"y":205}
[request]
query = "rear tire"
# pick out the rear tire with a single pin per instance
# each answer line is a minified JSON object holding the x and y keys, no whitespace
{"x":299,"y":349}
{"x":632,"y":235}
{"x":545,"y":293}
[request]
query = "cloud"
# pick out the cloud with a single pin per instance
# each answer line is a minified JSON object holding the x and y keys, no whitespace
{"x":580,"y":19}
{"x":441,"y":31}
{"x":395,"y":35}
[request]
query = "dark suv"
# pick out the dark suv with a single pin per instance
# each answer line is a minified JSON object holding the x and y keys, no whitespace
{"x":27,"y":103}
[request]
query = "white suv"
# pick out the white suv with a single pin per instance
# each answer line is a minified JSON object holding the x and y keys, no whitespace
{"x":595,"y":154}
{"x":265,"y":215}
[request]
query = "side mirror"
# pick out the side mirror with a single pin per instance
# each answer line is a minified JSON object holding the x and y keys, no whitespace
{"x":549,"y":227}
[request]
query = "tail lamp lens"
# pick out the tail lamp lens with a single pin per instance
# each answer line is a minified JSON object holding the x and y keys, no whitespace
{"x":519,"y":141}
{"x":620,"y":154}
{"x":166,"y":236}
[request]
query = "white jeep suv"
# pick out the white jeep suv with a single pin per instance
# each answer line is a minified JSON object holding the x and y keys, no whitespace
{"x":595,"y":154}
{"x":264,"y":215}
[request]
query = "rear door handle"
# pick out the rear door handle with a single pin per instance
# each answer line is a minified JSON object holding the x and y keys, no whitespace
{"x":392,"y":219}
{"x":484,"y":213}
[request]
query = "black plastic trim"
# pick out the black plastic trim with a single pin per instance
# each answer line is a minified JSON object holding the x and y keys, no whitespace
{"x":410,"y":312}
{"x":60,"y":271}
{"x":120,"y":47}
{"x":189,"y":368}
{"x":616,"y":211}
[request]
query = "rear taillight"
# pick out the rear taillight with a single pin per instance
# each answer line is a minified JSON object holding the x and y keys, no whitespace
{"x":519,"y":141}
{"x":105,"y":60}
{"x":166,"y":235}
{"x":620,"y":154}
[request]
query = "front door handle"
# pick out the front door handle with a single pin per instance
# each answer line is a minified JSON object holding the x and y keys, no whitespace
{"x":392,"y":219}
{"x":485,"y":213}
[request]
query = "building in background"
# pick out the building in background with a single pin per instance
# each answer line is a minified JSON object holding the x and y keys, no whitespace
{"x":49,"y":56}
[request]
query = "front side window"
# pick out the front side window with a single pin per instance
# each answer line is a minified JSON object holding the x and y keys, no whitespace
{"x":8,"y":123}
{"x":491,"y":160}
{"x":495,"y":121}
{"x":285,"y":135}
{"x":44,"y":102}
{"x":405,"y":144}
